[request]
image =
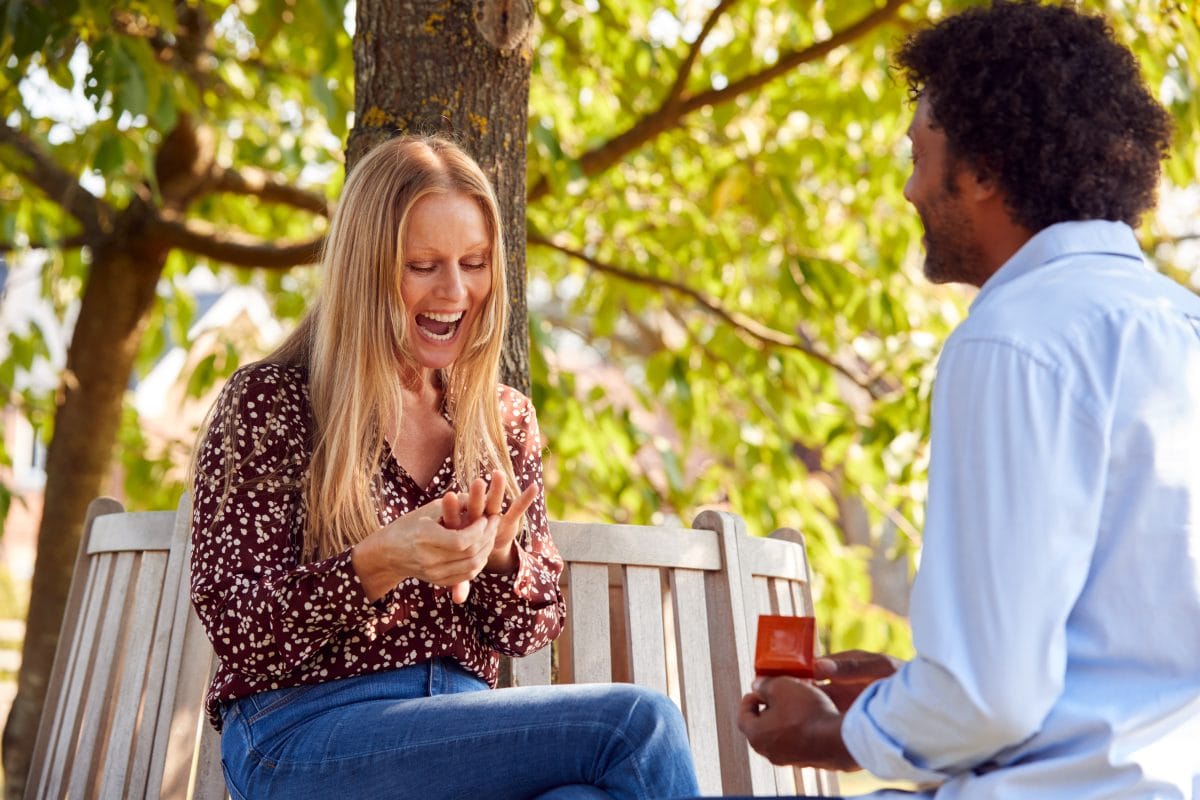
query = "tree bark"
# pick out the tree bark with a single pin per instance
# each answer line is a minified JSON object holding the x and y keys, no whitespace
{"x":459,"y":67}
{"x":119,"y":293}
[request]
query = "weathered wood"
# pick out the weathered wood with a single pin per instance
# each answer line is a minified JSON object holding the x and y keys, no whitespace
{"x":684,"y":603}
{"x":729,"y":621}
{"x":591,"y":641}
{"x":134,"y":657}
{"x":695,"y":667}
{"x":150,"y":530}
{"x":133,"y":670}
{"x":185,"y":671}
{"x":637,"y":544}
{"x":99,"y":668}
{"x":778,"y":581}
{"x":644,"y":620}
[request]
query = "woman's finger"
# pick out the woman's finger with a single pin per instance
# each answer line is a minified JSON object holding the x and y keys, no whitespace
{"x":522,"y":503}
{"x":495,"y":495}
{"x":459,"y":592}
{"x":451,"y":510}
{"x":476,"y":499}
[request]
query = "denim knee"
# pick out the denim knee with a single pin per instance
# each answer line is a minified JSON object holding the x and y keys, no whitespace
{"x":653,"y":719}
{"x":656,"y":725}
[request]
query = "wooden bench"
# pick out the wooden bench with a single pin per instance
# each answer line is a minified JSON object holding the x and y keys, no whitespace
{"x":671,"y":608}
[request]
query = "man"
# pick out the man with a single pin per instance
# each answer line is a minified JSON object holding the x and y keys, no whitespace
{"x":1056,"y":612}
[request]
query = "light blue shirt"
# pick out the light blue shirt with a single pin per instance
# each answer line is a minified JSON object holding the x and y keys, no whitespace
{"x":1056,"y":610}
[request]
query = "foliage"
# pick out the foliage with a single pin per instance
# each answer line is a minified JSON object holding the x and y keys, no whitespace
{"x":783,"y":205}
{"x":101,"y":87}
{"x":729,"y":314}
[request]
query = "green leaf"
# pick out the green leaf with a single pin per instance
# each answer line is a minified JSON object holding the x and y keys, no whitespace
{"x":110,"y":156}
{"x":130,"y":92}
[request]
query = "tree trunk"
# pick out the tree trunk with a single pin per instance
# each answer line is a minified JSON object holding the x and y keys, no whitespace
{"x":119,"y":294}
{"x":460,"y":67}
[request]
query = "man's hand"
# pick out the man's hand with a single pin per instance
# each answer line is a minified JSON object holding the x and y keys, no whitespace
{"x":790,"y":721}
{"x":850,"y":672}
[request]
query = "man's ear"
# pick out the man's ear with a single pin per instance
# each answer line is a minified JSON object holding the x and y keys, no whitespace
{"x":979,"y":184}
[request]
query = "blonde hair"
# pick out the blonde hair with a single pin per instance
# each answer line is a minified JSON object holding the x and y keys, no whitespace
{"x":354,"y":341}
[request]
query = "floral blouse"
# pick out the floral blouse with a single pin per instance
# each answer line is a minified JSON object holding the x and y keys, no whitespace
{"x":275,"y":622}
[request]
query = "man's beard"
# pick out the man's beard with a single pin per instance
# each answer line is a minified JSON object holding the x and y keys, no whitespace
{"x":952,"y":255}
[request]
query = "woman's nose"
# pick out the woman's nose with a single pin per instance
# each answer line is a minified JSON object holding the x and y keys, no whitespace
{"x":451,"y":285}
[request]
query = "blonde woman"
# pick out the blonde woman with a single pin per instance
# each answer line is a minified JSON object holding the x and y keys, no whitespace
{"x":370,"y":532}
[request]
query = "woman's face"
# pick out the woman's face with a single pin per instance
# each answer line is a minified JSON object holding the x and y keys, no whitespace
{"x":446,"y":276}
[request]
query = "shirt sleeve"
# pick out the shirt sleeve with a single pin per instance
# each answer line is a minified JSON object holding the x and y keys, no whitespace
{"x":523,"y":611}
{"x":264,"y":611}
{"x":1016,"y":482}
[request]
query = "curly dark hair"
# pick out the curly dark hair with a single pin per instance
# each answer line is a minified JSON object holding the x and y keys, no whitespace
{"x":1043,"y":100}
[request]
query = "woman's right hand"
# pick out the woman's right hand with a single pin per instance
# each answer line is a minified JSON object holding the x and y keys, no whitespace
{"x":418,"y":545}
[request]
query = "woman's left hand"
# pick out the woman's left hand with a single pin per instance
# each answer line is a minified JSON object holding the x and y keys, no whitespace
{"x":484,"y":500}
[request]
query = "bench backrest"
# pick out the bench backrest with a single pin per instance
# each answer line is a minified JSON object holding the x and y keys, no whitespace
{"x":776,"y":580}
{"x":670,"y":608}
{"x":123,"y":707}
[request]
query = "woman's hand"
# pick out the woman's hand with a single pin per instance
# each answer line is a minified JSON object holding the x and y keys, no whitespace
{"x":418,"y":545}
{"x":485,"y":501}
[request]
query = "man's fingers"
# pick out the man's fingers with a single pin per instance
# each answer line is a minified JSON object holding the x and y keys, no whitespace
{"x":761,"y":688}
{"x":855,"y":666}
{"x":748,"y":711}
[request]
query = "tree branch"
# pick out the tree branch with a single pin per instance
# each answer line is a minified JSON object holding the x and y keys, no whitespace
{"x":741,"y":322}
{"x":236,"y":249}
{"x":1175,"y":240}
{"x":789,"y":61}
{"x":260,"y":183}
{"x":673,"y":109}
{"x":689,"y":61}
{"x":37,"y":167}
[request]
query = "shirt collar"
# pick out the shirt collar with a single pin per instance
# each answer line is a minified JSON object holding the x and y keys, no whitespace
{"x":1092,"y":237}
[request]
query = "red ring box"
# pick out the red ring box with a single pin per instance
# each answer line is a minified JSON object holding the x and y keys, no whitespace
{"x":784,"y":646}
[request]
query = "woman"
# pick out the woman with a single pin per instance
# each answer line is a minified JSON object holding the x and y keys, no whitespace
{"x":370,"y":532}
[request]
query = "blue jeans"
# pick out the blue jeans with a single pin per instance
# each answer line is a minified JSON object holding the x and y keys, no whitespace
{"x":433,"y":730}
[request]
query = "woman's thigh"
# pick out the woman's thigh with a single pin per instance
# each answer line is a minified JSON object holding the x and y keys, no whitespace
{"x":389,"y":735}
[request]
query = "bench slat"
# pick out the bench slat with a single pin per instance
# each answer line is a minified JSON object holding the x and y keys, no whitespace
{"x":122,"y":734}
{"x":644,"y":620}
{"x":695,"y":665}
{"x":591,"y":641}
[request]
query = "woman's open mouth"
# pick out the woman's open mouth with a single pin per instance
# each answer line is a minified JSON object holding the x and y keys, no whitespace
{"x":440,"y":327}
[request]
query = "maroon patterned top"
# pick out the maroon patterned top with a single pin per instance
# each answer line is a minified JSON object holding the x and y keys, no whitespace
{"x":275,"y":622}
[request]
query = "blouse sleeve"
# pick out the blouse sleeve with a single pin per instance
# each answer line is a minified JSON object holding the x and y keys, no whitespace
{"x":520,"y":612}
{"x":264,"y":611}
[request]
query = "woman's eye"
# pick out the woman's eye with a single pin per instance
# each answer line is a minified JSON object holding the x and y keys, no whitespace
{"x":420,"y":267}
{"x":474,"y":265}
